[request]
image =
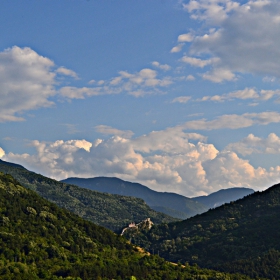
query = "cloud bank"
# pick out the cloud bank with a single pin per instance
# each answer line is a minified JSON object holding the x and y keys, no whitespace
{"x":169,"y":160}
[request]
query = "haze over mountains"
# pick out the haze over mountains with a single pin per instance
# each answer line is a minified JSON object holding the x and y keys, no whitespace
{"x":220,"y":197}
{"x":171,"y":204}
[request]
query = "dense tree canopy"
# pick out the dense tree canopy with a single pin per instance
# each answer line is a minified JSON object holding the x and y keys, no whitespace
{"x":108,"y":210}
{"x":39,"y":240}
{"x":241,"y":236}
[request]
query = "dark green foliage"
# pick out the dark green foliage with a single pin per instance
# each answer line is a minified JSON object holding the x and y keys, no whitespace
{"x":172,"y":204}
{"x":241,"y":236}
{"x":111,"y":211}
{"x":39,"y":240}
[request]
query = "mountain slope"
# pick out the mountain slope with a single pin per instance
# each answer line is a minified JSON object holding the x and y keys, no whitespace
{"x":111,"y":211}
{"x":242,"y":236}
{"x":41,"y":241}
{"x":223,"y":196}
{"x":169,"y":203}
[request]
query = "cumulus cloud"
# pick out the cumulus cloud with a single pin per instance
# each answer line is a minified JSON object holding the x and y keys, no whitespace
{"x":164,"y":67}
{"x":161,"y":159}
{"x":182,"y":39}
{"x":244,"y":36}
{"x":177,"y":48}
{"x":67,"y":72}
{"x":188,"y":37}
{"x":2,"y":152}
{"x":146,"y":81}
{"x":196,"y":61}
{"x":181,"y":99}
{"x":227,"y":169}
{"x":253,"y":144}
{"x":29,"y":80}
{"x":169,"y":160}
{"x":218,"y":75}
{"x":245,"y":94}
{"x":26,"y":82}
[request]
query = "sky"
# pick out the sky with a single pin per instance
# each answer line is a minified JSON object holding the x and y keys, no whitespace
{"x":180,"y":96}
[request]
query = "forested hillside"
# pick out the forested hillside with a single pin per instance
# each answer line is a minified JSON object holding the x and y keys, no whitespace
{"x":241,"y":236}
{"x":39,"y":240}
{"x":172,"y":204}
{"x":111,"y":211}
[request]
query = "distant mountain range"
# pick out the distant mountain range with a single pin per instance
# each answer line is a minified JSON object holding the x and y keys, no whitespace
{"x":223,"y":196}
{"x":169,"y":203}
{"x":111,"y":211}
{"x":172,"y":204}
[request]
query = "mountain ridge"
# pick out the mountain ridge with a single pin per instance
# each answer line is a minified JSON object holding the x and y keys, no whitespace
{"x":222,"y":196}
{"x":39,"y":240}
{"x":181,"y":206}
{"x":172,"y":204}
{"x":111,"y":211}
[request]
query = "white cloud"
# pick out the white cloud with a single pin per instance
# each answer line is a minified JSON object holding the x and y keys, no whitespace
{"x":164,"y":67}
{"x":211,"y":11}
{"x":78,"y":93}
{"x":196,"y":61}
{"x":105,"y":129}
{"x":244,"y":36}
{"x":227,"y":169}
{"x":2,"y":152}
{"x":146,"y":81}
{"x":268,"y":94}
{"x":177,"y":48}
{"x":168,"y":160}
{"x":181,"y":99}
{"x":244,"y":94}
{"x":218,"y":75}
{"x":190,"y":78}
{"x":26,"y":82}
{"x":252,"y":144}
{"x":247,"y":93}
{"x":160,"y":159}
{"x":234,"y":121}
{"x":188,"y":37}
{"x":67,"y":72}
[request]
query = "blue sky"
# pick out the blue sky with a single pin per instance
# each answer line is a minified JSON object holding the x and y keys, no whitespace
{"x":181,"y":96}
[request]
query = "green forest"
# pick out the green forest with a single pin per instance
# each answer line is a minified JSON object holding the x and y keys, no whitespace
{"x":241,"y":236}
{"x":111,"y":211}
{"x":39,"y":240}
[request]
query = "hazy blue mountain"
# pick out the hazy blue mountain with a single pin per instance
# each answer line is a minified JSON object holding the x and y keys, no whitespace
{"x":108,"y":210}
{"x":169,"y":203}
{"x":220,"y":197}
